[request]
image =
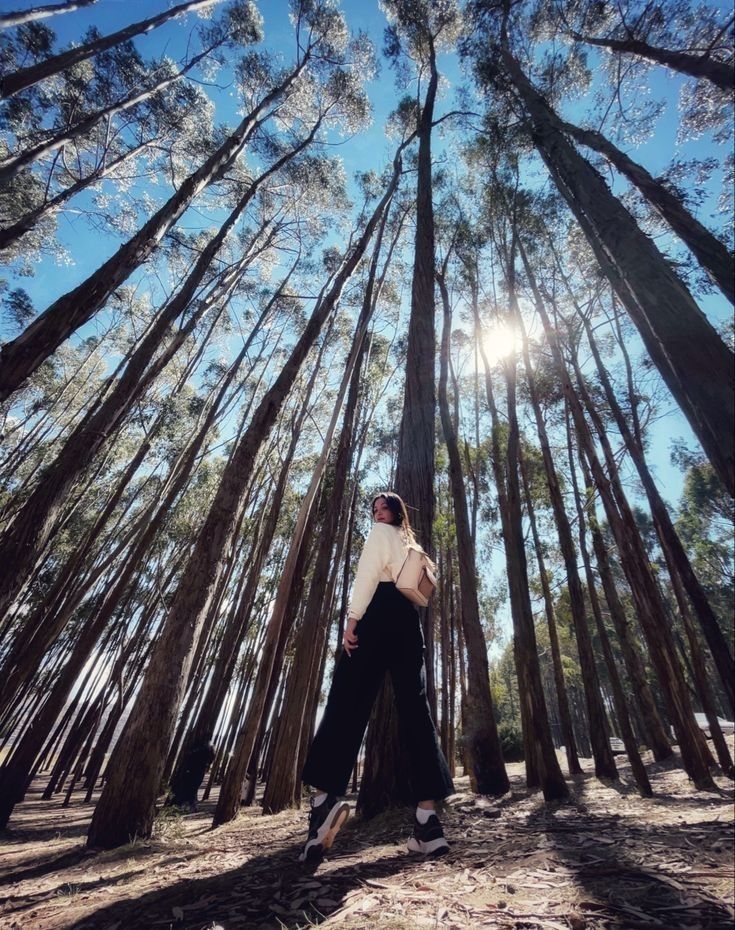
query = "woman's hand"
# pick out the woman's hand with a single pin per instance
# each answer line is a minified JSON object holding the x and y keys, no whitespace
{"x":349,"y":640}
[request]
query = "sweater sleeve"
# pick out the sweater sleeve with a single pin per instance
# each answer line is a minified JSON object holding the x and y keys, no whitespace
{"x":373,"y":559}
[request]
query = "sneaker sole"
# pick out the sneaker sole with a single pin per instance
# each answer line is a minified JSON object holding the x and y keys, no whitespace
{"x":433,"y":848}
{"x":316,"y":848}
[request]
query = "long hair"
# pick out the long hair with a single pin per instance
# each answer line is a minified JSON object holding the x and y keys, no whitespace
{"x":398,"y":509}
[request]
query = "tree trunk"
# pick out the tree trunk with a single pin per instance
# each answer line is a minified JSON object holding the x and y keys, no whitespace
{"x":693,"y":360}
{"x":524,"y":637}
{"x":484,"y":755}
{"x":674,"y":552}
{"x":20,"y":17}
{"x":618,"y":692}
{"x":637,"y":568}
{"x":710,"y":252}
{"x":567,"y":731}
{"x":599,"y":730}
{"x":720,"y":73}
{"x":249,"y":743}
{"x":20,"y":357}
{"x":385,"y":780}
{"x":27,"y":77}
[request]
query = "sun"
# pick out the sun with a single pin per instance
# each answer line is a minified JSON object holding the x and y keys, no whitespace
{"x":500,"y":341}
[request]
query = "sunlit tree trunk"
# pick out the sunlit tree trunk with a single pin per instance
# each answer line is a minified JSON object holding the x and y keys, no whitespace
{"x":20,"y":357}
{"x":570,"y":745}
{"x":618,"y":691}
{"x":710,"y":252}
{"x":27,"y":77}
{"x":720,"y":73}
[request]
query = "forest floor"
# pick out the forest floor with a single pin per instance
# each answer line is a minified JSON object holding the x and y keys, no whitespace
{"x":605,"y":859}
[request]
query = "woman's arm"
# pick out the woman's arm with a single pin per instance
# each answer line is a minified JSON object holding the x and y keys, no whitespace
{"x":373,"y":559}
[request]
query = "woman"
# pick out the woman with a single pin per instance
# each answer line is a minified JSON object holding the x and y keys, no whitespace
{"x":383,"y":632}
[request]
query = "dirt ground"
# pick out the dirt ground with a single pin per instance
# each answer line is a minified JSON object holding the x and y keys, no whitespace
{"x":605,"y":859}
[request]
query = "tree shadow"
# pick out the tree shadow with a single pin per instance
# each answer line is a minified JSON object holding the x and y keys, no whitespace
{"x":636,"y":872}
{"x":271,"y":890}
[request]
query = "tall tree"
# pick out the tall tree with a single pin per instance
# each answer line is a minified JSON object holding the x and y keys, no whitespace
{"x":480,"y":732}
{"x":418,"y":29}
{"x":22,"y":356}
{"x":26,"y":77}
{"x":693,"y":360}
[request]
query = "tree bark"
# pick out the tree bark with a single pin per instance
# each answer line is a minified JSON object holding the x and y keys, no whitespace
{"x":20,"y":17}
{"x":720,"y":73}
{"x":27,"y":77}
{"x":480,"y":734}
{"x":695,"y":363}
{"x":712,"y":254}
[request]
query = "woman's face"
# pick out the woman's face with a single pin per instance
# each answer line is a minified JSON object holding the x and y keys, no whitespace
{"x":381,"y":511}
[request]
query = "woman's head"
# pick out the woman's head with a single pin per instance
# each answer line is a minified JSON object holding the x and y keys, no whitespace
{"x":388,"y":507}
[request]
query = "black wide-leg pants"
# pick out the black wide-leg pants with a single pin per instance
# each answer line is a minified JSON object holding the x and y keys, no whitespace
{"x":389,"y":638}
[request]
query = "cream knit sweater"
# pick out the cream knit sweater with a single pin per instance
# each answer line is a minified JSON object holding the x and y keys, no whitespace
{"x":381,"y":559}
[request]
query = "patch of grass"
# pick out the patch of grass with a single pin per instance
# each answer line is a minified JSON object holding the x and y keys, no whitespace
{"x":169,"y":824}
{"x":68,"y":890}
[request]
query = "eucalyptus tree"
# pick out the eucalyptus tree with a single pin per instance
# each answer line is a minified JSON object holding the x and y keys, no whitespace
{"x":646,"y":595}
{"x":418,"y":30}
{"x":32,"y":527}
{"x":712,"y":254}
{"x":695,"y":41}
{"x":318,"y":40}
{"x":170,"y":120}
{"x":704,"y":523}
{"x":562,"y":698}
{"x":679,"y":565}
{"x":693,"y":360}
{"x":479,"y":731}
{"x":239,"y":26}
{"x":20,"y":17}
{"x":19,"y":80}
